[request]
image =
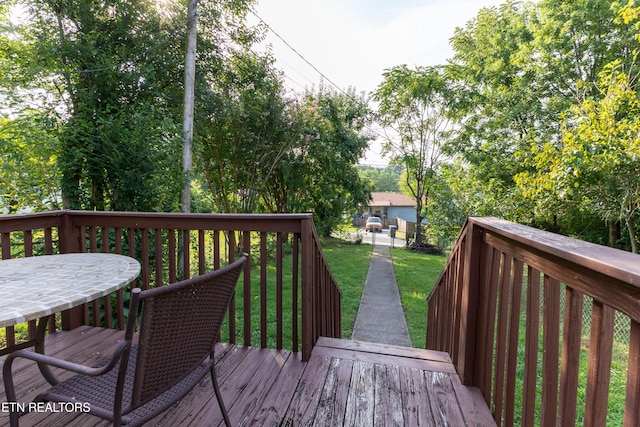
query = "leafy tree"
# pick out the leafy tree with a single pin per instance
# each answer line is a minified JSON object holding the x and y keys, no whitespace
{"x":246,"y":133}
{"x":497,"y":103}
{"x":107,"y":76}
{"x":382,"y":179}
{"x":414,"y":110}
{"x":94,"y":69}
{"x":318,"y":173}
{"x":521,"y":67}
{"x":599,"y":164}
{"x":29,"y":177}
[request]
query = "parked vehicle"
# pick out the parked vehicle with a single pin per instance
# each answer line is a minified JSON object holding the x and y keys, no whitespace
{"x":373,"y":224}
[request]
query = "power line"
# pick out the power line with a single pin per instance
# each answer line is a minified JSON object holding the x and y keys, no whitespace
{"x":369,"y":128}
{"x":298,"y":53}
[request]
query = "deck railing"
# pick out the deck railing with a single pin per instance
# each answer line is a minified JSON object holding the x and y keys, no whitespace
{"x":546,"y":326}
{"x":287,"y":276}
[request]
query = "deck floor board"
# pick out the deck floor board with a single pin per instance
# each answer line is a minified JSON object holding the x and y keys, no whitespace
{"x":344,"y":383}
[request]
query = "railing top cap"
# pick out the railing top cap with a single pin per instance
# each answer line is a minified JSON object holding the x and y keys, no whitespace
{"x":610,"y":261}
{"x":158,"y":214}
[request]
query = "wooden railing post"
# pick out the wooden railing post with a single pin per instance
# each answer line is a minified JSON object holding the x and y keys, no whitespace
{"x":308,"y":319}
{"x":68,"y":235}
{"x":469,"y":304}
{"x":70,"y":243}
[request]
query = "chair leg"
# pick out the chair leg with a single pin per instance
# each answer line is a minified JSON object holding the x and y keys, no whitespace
{"x":10,"y":391}
{"x":214,"y":380}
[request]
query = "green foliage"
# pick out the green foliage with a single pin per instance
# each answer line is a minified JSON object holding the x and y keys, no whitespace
{"x":414,"y":109}
{"x":525,"y":74}
{"x":597,"y":166}
{"x":318,"y":173}
{"x":91,"y":69}
{"x":382,"y":179}
{"x":246,"y":133}
{"x":28,"y":170}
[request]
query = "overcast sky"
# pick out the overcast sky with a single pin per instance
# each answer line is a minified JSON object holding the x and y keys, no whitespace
{"x":352,"y":42}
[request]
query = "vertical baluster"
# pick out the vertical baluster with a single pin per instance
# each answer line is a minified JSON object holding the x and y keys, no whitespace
{"x":144,"y":259}
{"x":308,"y":338}
{"x":263,"y":289}
{"x":531,"y":348}
{"x":28,"y":252}
{"x":106,"y":248}
{"x":131,"y":242}
{"x":104,"y":232}
{"x":216,"y":257}
{"x":632,"y":402}
{"x":201,"y":253}
{"x":5,"y":242}
{"x":551,"y":343}
{"x":279,"y":244}
{"x":488,"y":324}
{"x":232,"y":304}
{"x":117,"y":240}
{"x":157,"y":245}
{"x":573,"y":308}
{"x":216,"y":249}
{"x":446,"y":318}
{"x":48,"y":241}
{"x":186,"y":259}
{"x":52,"y":324}
{"x":120,"y":292}
{"x":512,"y":352}
{"x":93,"y":239}
{"x":294,"y":297}
{"x":246,"y":247}
{"x":599,"y":371}
{"x":173,"y":275}
{"x":28,"y":243}
{"x":10,"y":335}
{"x":456,"y":309}
{"x":95,"y":304}
{"x":48,"y":250}
{"x":501,"y":339}
{"x":95,"y":311}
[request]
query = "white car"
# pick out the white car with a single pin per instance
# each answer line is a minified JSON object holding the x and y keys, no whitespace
{"x":373,"y":224}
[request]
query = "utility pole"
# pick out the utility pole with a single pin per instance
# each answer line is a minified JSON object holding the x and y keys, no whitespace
{"x":187,"y":124}
{"x":189,"y":89}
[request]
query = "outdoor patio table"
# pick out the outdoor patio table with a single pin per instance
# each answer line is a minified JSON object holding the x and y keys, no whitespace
{"x":37,"y":287}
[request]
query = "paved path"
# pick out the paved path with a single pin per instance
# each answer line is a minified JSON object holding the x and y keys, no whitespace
{"x":382,"y":239}
{"x":380,"y":316}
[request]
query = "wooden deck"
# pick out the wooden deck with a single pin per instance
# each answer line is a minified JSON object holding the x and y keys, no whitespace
{"x":344,"y":383}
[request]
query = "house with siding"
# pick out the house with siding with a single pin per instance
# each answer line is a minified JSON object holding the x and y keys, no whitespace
{"x":391,"y":205}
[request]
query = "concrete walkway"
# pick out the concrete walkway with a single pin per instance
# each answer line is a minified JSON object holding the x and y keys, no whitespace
{"x":380,"y":316}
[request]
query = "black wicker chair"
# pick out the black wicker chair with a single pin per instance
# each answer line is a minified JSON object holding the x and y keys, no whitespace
{"x":178,"y":332}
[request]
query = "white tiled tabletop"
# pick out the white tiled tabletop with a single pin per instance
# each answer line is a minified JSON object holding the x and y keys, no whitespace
{"x":38,"y":286}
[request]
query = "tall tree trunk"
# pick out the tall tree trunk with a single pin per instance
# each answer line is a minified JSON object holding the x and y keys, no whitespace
{"x":418,"y":221}
{"x":632,"y":231}
{"x":613,"y":233}
{"x":189,"y":88}
{"x":187,"y":125}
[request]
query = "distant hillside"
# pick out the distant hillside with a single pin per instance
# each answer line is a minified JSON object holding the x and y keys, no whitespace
{"x":382,"y":179}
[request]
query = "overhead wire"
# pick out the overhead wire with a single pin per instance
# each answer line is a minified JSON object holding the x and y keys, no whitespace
{"x":298,"y":53}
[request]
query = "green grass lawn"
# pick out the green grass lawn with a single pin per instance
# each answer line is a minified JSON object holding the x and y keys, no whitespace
{"x":416,"y":275}
{"x":349,"y":264}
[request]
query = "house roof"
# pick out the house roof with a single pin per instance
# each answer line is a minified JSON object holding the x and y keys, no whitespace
{"x":388,"y":198}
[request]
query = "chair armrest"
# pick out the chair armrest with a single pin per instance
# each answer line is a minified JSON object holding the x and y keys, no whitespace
{"x":67,"y":365}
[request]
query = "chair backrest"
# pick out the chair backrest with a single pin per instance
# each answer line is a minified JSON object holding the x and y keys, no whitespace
{"x":179,"y":329}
